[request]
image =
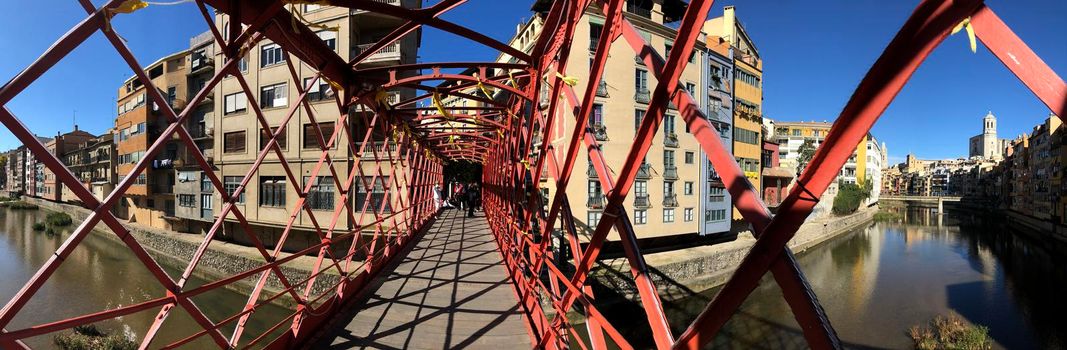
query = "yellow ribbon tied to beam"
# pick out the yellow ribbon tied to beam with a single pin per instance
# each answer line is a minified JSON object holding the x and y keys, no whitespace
{"x":511,"y":79}
{"x":440,"y":109}
{"x":525,"y":163}
{"x":966,"y":24}
{"x":482,"y":87}
{"x":569,"y":80}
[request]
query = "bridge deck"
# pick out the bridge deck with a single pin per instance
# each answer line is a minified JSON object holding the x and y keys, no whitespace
{"x":450,"y":291}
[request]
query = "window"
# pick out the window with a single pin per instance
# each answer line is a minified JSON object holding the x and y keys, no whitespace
{"x":687,"y":215}
{"x":594,"y":188}
{"x":715,"y":215}
{"x":594,"y":36}
{"x":236,"y":102}
{"x":318,"y":92}
{"x":747,"y":78}
{"x":328,"y":37}
{"x":242,"y":65}
{"x":270,"y":54}
{"x":272,"y":191}
{"x":320,"y":197}
{"x":230,"y":183}
{"x":689,"y":157}
{"x":310,"y":8}
{"x":172,"y":94}
{"x":377,"y":200}
{"x":716,"y":194}
{"x":640,"y":217}
{"x":668,"y":188}
{"x":641,"y":81}
{"x":598,"y":115}
{"x":205,"y":183}
{"x":593,"y":218}
{"x":274,"y":95}
{"x":234,"y":142}
{"x":264,"y":137}
{"x":668,"y":215}
{"x":746,"y":136}
{"x":640,"y":187}
{"x":692,"y":88}
{"x":687,"y":187}
{"x":668,"y":124}
{"x":638,"y":115}
{"x":311,"y":134}
{"x":796,"y":132}
{"x":668,"y":159}
{"x":186,"y":200}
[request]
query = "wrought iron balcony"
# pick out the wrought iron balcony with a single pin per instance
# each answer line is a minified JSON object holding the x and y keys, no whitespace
{"x":642,"y":201}
{"x":670,"y":140}
{"x":670,"y":200}
{"x":596,"y":201}
{"x":600,"y":132}
{"x":602,"y":89}
{"x":642,"y":96}
{"x":670,"y":173}
{"x":644,"y":172}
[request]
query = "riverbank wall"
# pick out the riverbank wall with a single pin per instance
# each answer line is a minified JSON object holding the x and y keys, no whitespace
{"x":220,"y":260}
{"x":681,"y":273}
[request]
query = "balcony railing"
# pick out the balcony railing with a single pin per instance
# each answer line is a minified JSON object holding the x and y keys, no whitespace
{"x":642,"y":201}
{"x":602,"y":89}
{"x":670,"y":140}
{"x":644,"y":172}
{"x":670,"y":200}
{"x":670,"y":173}
{"x":600,"y":132}
{"x":596,"y":201}
{"x":641,"y":96}
{"x":387,"y":53}
{"x":202,"y":131}
{"x":383,"y":149}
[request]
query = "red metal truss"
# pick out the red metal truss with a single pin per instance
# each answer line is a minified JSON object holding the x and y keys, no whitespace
{"x":402,"y":147}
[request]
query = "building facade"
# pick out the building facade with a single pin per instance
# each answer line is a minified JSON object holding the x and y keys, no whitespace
{"x":716,"y":202}
{"x":52,"y":188}
{"x":93,"y":163}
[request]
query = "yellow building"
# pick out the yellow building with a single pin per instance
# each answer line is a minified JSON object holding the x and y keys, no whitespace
{"x":792,"y":135}
{"x":748,"y":91}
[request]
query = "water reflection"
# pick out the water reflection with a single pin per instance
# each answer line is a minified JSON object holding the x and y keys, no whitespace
{"x":102,"y":274}
{"x":877,"y":281}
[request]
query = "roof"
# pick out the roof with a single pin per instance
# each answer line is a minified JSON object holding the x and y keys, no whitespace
{"x":777,"y":172}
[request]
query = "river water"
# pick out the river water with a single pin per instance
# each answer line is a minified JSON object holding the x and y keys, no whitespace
{"x":102,"y":274}
{"x":877,"y":281}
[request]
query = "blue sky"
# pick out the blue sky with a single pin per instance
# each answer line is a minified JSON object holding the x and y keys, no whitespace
{"x":814,"y":55}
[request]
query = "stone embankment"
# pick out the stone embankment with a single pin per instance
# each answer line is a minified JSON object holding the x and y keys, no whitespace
{"x":222,"y":259}
{"x":680,"y":273}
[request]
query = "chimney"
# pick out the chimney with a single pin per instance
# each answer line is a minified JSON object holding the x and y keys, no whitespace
{"x":728,"y":24}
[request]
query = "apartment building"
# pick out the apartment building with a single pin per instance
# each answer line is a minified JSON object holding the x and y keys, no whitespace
{"x":792,"y":135}
{"x":194,"y":194}
{"x":140,"y":121}
{"x":747,"y":89}
{"x":33,"y":171}
{"x":52,"y":188}
{"x":14,"y":170}
{"x":666,"y":202}
{"x":269,"y":200}
{"x":718,"y":73}
{"x":93,"y":163}
{"x":1045,"y":168}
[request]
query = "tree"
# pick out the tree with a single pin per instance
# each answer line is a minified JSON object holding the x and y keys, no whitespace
{"x":807,"y":151}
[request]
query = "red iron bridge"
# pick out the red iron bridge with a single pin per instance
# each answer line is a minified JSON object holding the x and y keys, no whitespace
{"x":428,"y":279}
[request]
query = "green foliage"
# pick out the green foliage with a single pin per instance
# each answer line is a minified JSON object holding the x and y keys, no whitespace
{"x":51,"y":231}
{"x":807,"y":151}
{"x":21,"y":206}
{"x":59,"y":219}
{"x":90,"y":338}
{"x":950,"y":333}
{"x":886,"y":216}
{"x":38,"y":226}
{"x":850,"y":197}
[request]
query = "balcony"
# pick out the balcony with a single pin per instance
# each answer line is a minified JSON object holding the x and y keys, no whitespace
{"x":600,"y":132}
{"x":384,"y":150}
{"x":639,"y":60}
{"x":591,"y":172}
{"x":644,"y":172}
{"x":642,"y":96}
{"x":670,"y":172}
{"x":202,"y":132}
{"x":596,"y":201}
{"x":670,"y":140}
{"x":670,"y":200}
{"x":390,"y":52}
{"x":602,"y":89}
{"x":641,"y":201}
{"x":671,"y":105}
{"x":201,"y":64}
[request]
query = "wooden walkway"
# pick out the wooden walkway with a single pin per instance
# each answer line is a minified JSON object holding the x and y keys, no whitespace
{"x":450,"y":291}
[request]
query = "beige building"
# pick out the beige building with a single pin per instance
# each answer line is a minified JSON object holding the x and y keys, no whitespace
{"x":664,"y":201}
{"x":269,"y":199}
